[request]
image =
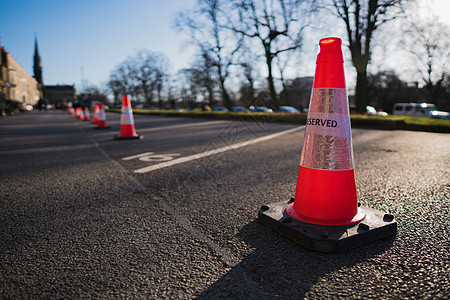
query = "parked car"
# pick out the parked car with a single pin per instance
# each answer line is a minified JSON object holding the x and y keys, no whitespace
{"x":50,"y":107}
{"x":260,"y":109}
{"x":9,"y":107}
{"x":288,"y":110}
{"x":440,"y":114}
{"x":239,"y":109}
{"x":145,"y":106}
{"x":220,"y":108}
{"x":424,"y":110}
{"x":370,"y":110}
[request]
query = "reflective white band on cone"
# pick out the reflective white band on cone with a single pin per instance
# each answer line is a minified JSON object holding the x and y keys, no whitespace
{"x":127,"y":116}
{"x":328,"y":140}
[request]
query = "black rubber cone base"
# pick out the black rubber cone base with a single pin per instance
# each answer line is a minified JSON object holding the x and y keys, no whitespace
{"x":106,"y":127}
{"x":118,"y":137}
{"x":328,"y":239}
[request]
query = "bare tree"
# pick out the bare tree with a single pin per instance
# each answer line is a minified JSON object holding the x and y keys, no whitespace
{"x":428,"y":43}
{"x":385,"y":89}
{"x":197,"y":83}
{"x":142,"y":76}
{"x":247,"y":62}
{"x":121,"y":81}
{"x":277,"y":25}
{"x":143,"y":71}
{"x":248,"y":90}
{"x":150,"y":70}
{"x":201,"y":78}
{"x":115,"y":87}
{"x":96,"y":93}
{"x":187,"y":91}
{"x":206,"y":78}
{"x":161,"y":75}
{"x":283,"y":63}
{"x":362,"y":18}
{"x":206,"y":28}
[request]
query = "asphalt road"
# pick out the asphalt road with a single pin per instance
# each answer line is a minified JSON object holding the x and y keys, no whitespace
{"x":174,"y":215}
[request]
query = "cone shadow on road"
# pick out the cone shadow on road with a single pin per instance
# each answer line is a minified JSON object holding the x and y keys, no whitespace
{"x":279,"y":267}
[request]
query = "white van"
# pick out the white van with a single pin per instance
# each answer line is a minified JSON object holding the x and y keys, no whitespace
{"x":424,"y":110}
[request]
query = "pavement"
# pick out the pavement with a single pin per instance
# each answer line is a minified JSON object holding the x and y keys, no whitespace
{"x":174,"y":215}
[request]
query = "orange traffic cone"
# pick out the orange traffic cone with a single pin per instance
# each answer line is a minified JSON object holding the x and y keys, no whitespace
{"x":80,"y":113}
{"x":101,"y":122}
{"x":326,"y":188}
{"x":96,"y":111}
{"x":87,"y":117}
{"x":127,"y":130}
{"x":71,"y":111}
{"x":324,"y":215}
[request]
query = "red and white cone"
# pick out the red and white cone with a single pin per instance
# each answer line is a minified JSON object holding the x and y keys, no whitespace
{"x":71,"y":111}
{"x":87,"y":117}
{"x":80,"y":115}
{"x":95,"y":117}
{"x":326,"y":187}
{"x":101,"y":122}
{"x":127,"y":130}
{"x":324,"y":215}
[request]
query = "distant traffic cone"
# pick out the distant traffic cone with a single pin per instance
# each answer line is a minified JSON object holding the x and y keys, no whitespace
{"x":324,"y":215}
{"x":80,"y":113}
{"x":127,"y":130}
{"x":71,"y":111}
{"x":96,"y":111}
{"x":87,"y":117}
{"x":101,"y":122}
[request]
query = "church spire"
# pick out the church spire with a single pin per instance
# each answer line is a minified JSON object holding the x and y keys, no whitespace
{"x":37,"y":68}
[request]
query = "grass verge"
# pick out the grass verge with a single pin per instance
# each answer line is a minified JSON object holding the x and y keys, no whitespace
{"x":368,"y":121}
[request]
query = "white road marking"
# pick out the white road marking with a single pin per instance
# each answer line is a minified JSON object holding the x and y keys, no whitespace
{"x":223,"y":253}
{"x":137,"y":156}
{"x":151,"y":156}
{"x":159,"y":157}
{"x":216,"y":151}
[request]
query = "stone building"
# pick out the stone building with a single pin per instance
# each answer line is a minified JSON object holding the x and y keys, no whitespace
{"x":4,"y":78}
{"x":60,"y":95}
{"x":17,"y":87}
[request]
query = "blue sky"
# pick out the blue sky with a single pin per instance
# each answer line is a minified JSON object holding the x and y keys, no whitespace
{"x":94,"y":35}
{"x":97,"y":35}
